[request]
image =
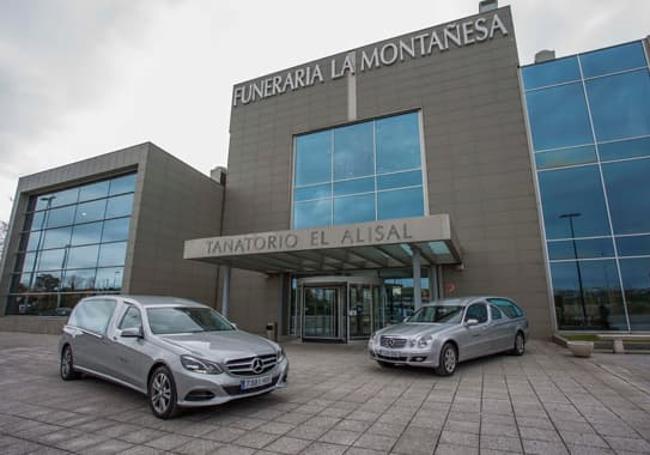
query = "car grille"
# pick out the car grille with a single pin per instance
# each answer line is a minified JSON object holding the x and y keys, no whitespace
{"x":392,"y":359}
{"x":244,"y":366}
{"x":236,"y":389}
{"x":392,"y":342}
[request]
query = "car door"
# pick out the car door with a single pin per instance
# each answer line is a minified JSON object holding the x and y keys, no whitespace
{"x":474,"y":337}
{"x":499,"y":330}
{"x":90,"y":345}
{"x":129,"y":357}
{"x":512,"y":314}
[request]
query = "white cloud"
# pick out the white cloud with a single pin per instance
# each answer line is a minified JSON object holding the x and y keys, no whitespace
{"x":80,"y":78}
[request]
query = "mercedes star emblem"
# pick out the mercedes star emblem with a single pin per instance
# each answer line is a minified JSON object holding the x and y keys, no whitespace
{"x":257,"y":366}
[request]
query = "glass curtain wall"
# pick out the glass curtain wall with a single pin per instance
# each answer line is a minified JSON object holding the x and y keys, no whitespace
{"x":589,"y":118}
{"x":356,"y":173}
{"x":73,"y":245}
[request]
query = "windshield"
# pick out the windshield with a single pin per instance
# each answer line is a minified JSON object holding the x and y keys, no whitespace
{"x":185,"y":320}
{"x":442,"y":314}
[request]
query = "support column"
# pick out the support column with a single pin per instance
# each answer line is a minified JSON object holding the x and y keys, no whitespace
{"x":225,"y":296}
{"x":433,"y":283}
{"x":417,"y":285}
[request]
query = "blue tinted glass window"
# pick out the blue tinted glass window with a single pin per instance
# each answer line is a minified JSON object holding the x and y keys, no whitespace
{"x":398,"y":143}
{"x":558,"y":117}
{"x":115,"y":230}
{"x":400,"y":203}
{"x":565,"y":157}
{"x":353,"y":151}
{"x":112,"y":254}
{"x":399,"y":180}
{"x":34,"y":240}
{"x":91,"y":211}
{"x":635,"y":274}
{"x":550,"y":73}
{"x":313,"y":158}
{"x":51,"y":259}
{"x":591,"y":248}
{"x":93,"y":191}
{"x":119,"y":206}
{"x":109,"y":279}
{"x":364,"y":185}
{"x":628,"y":190}
{"x":613,"y":59}
{"x":28,"y":262}
{"x":636,"y":245}
{"x":354,"y":209}
{"x":56,"y":238}
{"x":124,"y":184}
{"x":625,"y":149}
{"x":312,"y":213}
{"x":60,"y":217}
{"x":587,"y":295}
{"x":82,"y":257}
{"x":620,"y":105}
{"x":83,"y":234}
{"x":64,"y":197}
{"x":312,"y":192}
{"x":573,"y":196}
{"x":37,"y":220}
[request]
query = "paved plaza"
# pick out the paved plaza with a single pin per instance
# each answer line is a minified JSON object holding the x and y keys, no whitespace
{"x":339,"y":402}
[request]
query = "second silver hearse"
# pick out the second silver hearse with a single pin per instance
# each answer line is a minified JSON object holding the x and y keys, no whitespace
{"x":176,"y":351}
{"x":449,"y":331}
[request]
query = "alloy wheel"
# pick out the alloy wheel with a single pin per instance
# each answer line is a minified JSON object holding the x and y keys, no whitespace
{"x":519,"y":344}
{"x":449,"y":360}
{"x":161,"y":392}
{"x":66,"y":363}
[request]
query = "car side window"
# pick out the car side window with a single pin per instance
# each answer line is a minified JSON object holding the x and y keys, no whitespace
{"x":93,"y":315}
{"x":131,"y":319}
{"x":477,"y":311}
{"x":495,"y":312}
{"x":509,"y":308}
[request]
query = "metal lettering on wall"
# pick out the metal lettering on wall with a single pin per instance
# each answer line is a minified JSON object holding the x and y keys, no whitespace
{"x":435,"y":227}
{"x":417,"y":46}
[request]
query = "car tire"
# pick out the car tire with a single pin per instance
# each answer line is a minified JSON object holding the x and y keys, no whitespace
{"x":66,"y":367}
{"x":385,"y":364}
{"x":161,"y":393}
{"x":448,"y":360}
{"x":520,"y":344}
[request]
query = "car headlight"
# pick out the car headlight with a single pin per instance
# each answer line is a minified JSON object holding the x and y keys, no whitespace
{"x":197,"y":365}
{"x":425,"y":341}
{"x":373,"y":337}
{"x":281,"y":354}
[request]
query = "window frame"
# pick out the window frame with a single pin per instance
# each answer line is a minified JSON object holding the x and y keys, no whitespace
{"x":88,"y":301}
{"x":487,"y":313}
{"x":129,"y":307}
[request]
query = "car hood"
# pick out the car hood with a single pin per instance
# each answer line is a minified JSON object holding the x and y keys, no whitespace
{"x":221,"y":346}
{"x":414,"y":329}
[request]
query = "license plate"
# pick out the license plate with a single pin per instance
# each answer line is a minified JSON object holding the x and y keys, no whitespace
{"x":251,"y":383}
{"x":390,"y":354}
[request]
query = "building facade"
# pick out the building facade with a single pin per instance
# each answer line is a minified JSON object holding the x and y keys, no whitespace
{"x":363,"y":184}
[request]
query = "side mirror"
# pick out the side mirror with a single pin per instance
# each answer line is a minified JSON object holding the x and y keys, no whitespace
{"x":132,"y":332}
{"x":471,"y":322}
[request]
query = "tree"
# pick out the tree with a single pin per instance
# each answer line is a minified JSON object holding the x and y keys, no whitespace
{"x":4,"y":227}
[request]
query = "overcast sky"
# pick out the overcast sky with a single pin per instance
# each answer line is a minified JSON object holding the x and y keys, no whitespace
{"x":79,"y":78}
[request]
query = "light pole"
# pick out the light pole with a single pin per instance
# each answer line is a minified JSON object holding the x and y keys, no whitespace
{"x":570,"y":217}
{"x":46,"y":214}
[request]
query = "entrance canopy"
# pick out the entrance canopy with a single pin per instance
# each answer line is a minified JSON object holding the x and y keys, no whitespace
{"x":351,"y":247}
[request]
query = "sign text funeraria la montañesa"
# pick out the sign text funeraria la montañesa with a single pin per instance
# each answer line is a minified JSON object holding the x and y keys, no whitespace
{"x":424,"y":44}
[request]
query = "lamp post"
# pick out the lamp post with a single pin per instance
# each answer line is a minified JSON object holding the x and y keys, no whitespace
{"x":46,"y":214}
{"x":570,"y":217}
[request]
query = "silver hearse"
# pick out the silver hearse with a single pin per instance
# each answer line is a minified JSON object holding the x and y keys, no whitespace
{"x":178,"y":352}
{"x":449,"y":331}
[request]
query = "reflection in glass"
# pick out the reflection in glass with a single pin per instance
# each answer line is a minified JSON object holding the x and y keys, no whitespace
{"x":51,"y":259}
{"x":636,"y":283}
{"x":93,"y":191}
{"x":78,"y":280}
{"x":56,"y":238}
{"x":628,"y":191}
{"x":124,"y":184}
{"x":636,"y":245}
{"x":321,"y":313}
{"x":82,"y":257}
{"x":558,"y":117}
{"x":119,"y":206}
{"x":109,"y":279}
{"x":398,"y":143}
{"x":112,"y":254}
{"x":613,"y":59}
{"x":565,"y":157}
{"x":312,"y":192}
{"x":353,"y":151}
{"x":33,"y":241}
{"x":59,"y":217}
{"x":587,"y":295}
{"x":624,"y":149}
{"x":399,"y":180}
{"x":91,"y":211}
{"x":115,"y":230}
{"x":590,"y":248}
{"x":36,"y":220}
{"x":573,"y":190}
{"x":354,"y":209}
{"x":550,"y":73}
{"x":356,"y":186}
{"x":620,"y":105}
{"x":83,"y":234}
{"x":312,"y":213}
{"x":313,"y":158}
{"x":400,"y":203}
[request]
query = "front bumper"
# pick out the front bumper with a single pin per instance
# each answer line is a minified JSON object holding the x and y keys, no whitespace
{"x":427,"y":357}
{"x":196,"y":389}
